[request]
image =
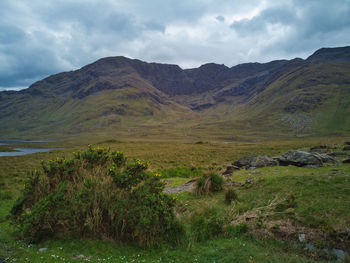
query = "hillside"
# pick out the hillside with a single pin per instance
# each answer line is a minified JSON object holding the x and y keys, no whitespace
{"x":119,"y":95}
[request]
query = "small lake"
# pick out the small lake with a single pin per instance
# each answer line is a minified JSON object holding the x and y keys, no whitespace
{"x":23,"y":151}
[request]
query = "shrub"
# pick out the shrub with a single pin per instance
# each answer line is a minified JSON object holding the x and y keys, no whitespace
{"x":96,"y":194}
{"x":230,"y":196}
{"x":208,"y":183}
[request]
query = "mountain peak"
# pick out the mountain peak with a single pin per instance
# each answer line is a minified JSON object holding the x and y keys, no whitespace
{"x":331,"y":54}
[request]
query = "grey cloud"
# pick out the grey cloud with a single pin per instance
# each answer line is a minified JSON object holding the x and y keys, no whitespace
{"x":282,"y":15}
{"x":39,"y":38}
{"x":220,"y":18}
{"x":309,"y":25}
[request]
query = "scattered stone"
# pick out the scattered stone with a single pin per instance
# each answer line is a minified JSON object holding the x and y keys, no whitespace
{"x":256,"y":161}
{"x":346,"y":148}
{"x":78,"y":256}
{"x":248,"y":181}
{"x":346,"y":161}
{"x":43,"y":249}
{"x":300,"y":158}
{"x":230,"y":169}
{"x":235,"y":184}
{"x":309,"y":246}
{"x":301,"y":237}
{"x":186,"y":187}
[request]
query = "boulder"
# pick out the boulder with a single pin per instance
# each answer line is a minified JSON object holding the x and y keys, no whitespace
{"x":346,"y":161}
{"x":256,"y":161}
{"x":347,"y":143}
{"x":300,"y":158}
{"x":346,"y":148}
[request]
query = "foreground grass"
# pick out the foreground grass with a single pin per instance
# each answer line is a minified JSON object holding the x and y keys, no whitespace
{"x":322,"y":198}
{"x":241,"y":248}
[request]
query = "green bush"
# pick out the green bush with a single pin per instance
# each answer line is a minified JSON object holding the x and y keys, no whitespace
{"x":209,"y":183}
{"x":96,"y":194}
{"x":230,"y":195}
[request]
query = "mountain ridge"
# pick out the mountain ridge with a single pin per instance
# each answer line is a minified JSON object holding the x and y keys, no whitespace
{"x":122,"y":92}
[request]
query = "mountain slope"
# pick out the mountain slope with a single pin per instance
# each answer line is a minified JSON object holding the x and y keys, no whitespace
{"x":96,"y":97}
{"x":314,"y":96}
{"x":117,"y":94}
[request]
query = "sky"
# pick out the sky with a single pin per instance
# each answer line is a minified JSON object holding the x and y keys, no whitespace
{"x":39,"y":38}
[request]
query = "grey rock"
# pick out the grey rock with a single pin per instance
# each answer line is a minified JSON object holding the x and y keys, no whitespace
{"x":230,"y":169}
{"x":186,"y":187}
{"x":339,"y":253}
{"x":43,"y":249}
{"x":256,"y":161}
{"x":301,"y":237}
{"x":300,"y":158}
{"x":2,"y":260}
{"x":347,"y":143}
{"x":346,"y":148}
{"x":309,"y":246}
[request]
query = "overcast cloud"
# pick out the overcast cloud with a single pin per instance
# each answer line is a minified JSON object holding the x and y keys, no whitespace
{"x":39,"y":38}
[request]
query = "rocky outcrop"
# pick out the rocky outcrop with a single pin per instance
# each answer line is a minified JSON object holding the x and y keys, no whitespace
{"x":256,"y":161}
{"x":230,"y":169}
{"x":300,"y":158}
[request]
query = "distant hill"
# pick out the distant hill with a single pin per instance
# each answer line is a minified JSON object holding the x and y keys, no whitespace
{"x":117,"y":94}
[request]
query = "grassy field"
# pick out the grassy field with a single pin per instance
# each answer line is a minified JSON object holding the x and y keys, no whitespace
{"x":263,"y":225}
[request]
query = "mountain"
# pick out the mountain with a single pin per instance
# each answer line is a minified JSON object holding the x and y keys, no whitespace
{"x":118,"y":94}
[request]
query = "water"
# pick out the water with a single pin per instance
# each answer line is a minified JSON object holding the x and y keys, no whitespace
{"x":23,"y":151}
{"x":17,"y":141}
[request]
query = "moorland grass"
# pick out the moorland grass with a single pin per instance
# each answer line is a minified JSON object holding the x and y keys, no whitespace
{"x":321,"y":203}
